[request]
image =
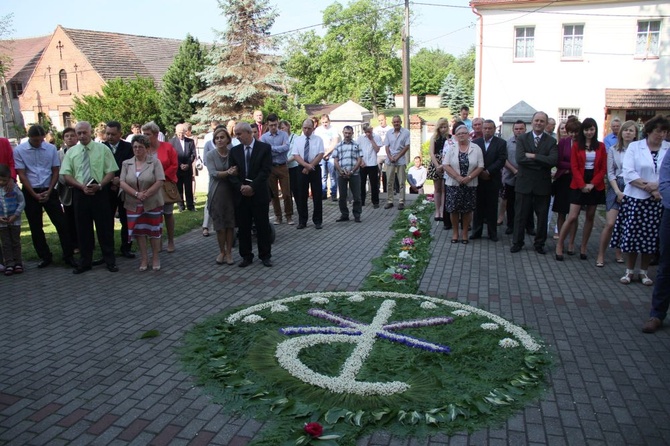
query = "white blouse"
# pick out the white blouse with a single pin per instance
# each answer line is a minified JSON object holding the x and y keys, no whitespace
{"x":639,"y":164}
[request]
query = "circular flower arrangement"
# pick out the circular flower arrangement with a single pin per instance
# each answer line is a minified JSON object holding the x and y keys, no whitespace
{"x":354,"y":362}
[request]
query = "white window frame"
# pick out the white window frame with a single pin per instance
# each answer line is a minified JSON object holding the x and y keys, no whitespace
{"x":525,"y":52}
{"x":572,"y":40}
{"x":563,"y":113}
{"x":648,"y":41}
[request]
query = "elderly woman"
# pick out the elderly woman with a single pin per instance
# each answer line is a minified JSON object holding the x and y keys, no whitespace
{"x":142,"y":180}
{"x":636,"y":229}
{"x":588,"y":166}
{"x":462,"y":163}
{"x":167,"y":155}
{"x":627,"y":134}
{"x":435,"y":169}
{"x":220,"y":198}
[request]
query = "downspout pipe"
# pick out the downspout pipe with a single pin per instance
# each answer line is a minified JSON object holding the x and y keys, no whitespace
{"x":481,"y":57}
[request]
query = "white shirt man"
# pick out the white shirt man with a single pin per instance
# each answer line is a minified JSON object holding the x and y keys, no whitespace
{"x":308,"y":151}
{"x":397,"y":145}
{"x":371,"y":147}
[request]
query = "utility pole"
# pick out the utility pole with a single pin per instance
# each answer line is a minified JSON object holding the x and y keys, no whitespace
{"x":405,"y":68}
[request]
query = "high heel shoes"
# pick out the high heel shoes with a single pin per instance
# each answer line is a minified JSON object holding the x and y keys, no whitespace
{"x":559,"y":257}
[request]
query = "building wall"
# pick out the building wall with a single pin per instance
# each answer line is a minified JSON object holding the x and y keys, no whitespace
{"x":550,"y":82}
{"x":43,"y":94}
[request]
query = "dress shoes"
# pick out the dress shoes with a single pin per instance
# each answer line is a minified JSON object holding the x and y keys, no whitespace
{"x":244,"y":263}
{"x":388,"y":205}
{"x":318,"y":226}
{"x":401,"y":206}
{"x":81,"y":269}
{"x":112,"y":268}
{"x":515,"y":248}
{"x":342,"y":219}
{"x":509,"y":231}
{"x":375,"y":206}
{"x":493,"y":238}
{"x":540,"y":250}
{"x":267,"y":262}
{"x":448,"y":227}
{"x":652,"y":325}
{"x":301,"y":226}
{"x":45,"y":262}
{"x":128,"y":254}
{"x":357,"y":219}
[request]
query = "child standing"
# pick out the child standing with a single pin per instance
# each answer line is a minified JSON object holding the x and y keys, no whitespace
{"x":11,"y":207}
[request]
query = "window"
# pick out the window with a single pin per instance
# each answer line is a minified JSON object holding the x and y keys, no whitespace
{"x":16,"y":88}
{"x":524,"y":43}
{"x":563,"y":113}
{"x":62,"y":76}
{"x":648,"y":36}
{"x":67,"y":119}
{"x":573,"y":41}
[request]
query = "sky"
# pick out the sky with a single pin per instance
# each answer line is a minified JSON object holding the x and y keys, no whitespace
{"x":448,"y":25}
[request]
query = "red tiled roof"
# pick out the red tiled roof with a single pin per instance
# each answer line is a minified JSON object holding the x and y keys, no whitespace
{"x":654,"y":98}
{"x":115,"y":55}
{"x":25,"y":53}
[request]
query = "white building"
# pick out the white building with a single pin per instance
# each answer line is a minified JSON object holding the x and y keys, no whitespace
{"x":596,"y":59}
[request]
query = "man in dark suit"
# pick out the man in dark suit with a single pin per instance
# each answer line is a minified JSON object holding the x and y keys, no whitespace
{"x":252,"y":195}
{"x":490,"y":182}
{"x":185,"y":148}
{"x":536,"y":154}
{"x":122,"y":151}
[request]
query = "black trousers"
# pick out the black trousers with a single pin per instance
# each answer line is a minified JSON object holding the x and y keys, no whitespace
{"x":250,"y":211}
{"x":526,"y":204}
{"x":90,"y":209}
{"x":313,"y":180}
{"x":487,"y":208}
{"x":185,"y":187}
{"x":371,"y":172}
{"x":115,"y":205}
{"x":54,"y":210}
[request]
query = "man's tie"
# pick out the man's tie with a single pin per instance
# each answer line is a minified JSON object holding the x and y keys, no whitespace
{"x":306,"y":149}
{"x":247,"y":158}
{"x":85,"y":166}
{"x":537,"y":141}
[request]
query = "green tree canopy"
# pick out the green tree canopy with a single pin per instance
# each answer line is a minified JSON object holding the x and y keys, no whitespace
{"x":122,"y":100}
{"x":181,"y":82}
{"x":239,"y":77}
{"x":357,"y":54}
{"x":287,"y":110}
{"x":428,"y":68}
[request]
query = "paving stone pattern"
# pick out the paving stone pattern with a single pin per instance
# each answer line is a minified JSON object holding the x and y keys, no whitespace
{"x":74,"y":371}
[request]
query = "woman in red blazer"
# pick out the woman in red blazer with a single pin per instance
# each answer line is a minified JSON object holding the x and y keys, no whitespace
{"x":588,"y":163}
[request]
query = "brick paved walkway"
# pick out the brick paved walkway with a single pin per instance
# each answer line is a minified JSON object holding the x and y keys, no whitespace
{"x":73,"y":371}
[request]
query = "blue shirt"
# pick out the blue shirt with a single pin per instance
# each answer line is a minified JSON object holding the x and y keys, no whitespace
{"x":37,"y":162}
{"x":280,"y":145}
{"x":610,"y":140}
{"x":664,"y":182}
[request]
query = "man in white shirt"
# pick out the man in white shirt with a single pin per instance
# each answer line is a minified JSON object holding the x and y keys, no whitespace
{"x":370,"y":144}
{"x":397,"y":145}
{"x":308,"y":151}
{"x":330,"y":139}
{"x":380,"y":131}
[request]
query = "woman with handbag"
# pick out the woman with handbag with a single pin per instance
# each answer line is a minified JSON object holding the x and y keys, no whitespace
{"x":167,"y":155}
{"x":142,"y":180}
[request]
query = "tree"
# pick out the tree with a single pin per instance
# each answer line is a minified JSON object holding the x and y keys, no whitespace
{"x":5,"y":44}
{"x":390,"y":98}
{"x":181,"y":82}
{"x":447,"y":90}
{"x":428,"y":69}
{"x":126,"y":101}
{"x":358,"y":52}
{"x":287,"y":110}
{"x":239,"y":77}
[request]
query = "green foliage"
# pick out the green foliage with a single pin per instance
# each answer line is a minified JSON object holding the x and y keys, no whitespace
{"x":239,"y":77}
{"x":5,"y":44}
{"x":126,"y":101}
{"x":181,"y":82}
{"x":447,"y":90}
{"x":357,"y":53}
{"x":390,"y":98}
{"x":428,"y":68}
{"x":287,"y":110}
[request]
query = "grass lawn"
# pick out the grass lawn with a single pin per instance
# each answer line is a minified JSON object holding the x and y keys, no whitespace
{"x":184,"y":222}
{"x":428,"y":114}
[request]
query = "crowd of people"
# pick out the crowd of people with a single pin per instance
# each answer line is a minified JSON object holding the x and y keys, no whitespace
{"x":480,"y":180}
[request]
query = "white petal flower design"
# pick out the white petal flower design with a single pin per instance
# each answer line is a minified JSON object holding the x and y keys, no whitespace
{"x":508,"y":343}
{"x":279,"y":308}
{"x":356,"y":298}
{"x":319,"y":300}
{"x":428,"y":305}
{"x":252,"y":319}
{"x":461,"y":313}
